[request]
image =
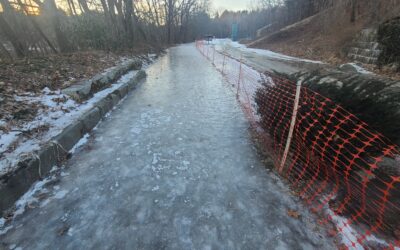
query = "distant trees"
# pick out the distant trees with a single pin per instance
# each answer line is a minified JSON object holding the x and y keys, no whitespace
{"x":285,"y":12}
{"x":32,"y":27}
{"x":353,"y":10}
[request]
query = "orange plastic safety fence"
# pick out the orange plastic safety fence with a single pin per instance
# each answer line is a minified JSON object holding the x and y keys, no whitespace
{"x":336,"y":163}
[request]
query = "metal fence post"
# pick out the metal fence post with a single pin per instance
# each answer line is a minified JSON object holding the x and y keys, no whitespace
{"x":213,"y":55}
{"x":240,"y":76}
{"x":223,"y":64}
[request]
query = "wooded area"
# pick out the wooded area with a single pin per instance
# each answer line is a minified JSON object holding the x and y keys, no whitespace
{"x":273,"y":15}
{"x":37,"y":27}
{"x":281,"y":13}
{"x":32,"y":27}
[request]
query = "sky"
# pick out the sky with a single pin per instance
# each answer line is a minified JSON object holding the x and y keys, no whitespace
{"x":230,"y":4}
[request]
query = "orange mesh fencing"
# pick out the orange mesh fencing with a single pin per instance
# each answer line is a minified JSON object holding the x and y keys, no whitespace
{"x":341,"y":168}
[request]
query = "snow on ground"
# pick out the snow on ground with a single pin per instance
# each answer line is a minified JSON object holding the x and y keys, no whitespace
{"x":59,"y":112}
{"x":251,"y":81}
{"x":222,"y":43}
{"x":40,"y":194}
{"x":7,"y":139}
{"x":174,"y":168}
{"x":349,"y":235}
{"x":360,"y":69}
{"x":39,"y":190}
{"x":56,"y":115}
{"x":80,"y":143}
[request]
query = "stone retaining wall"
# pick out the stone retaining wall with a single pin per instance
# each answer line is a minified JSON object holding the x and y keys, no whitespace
{"x":373,"y":99}
{"x":365,"y":48}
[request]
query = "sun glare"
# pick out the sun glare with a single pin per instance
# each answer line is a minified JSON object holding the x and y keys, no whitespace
{"x":29,"y":7}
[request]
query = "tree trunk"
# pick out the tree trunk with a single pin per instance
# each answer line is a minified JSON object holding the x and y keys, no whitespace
{"x":170,"y":16}
{"x":84,"y":6}
{"x":6,"y":54}
{"x":62,"y":40}
{"x":71,"y":5}
{"x":12,"y":37}
{"x":353,"y":11}
{"x":128,"y":20}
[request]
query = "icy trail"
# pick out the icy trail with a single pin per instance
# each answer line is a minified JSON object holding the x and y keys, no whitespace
{"x":171,"y":168}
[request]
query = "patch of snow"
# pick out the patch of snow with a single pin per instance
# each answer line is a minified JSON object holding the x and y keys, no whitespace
{"x":2,"y":122}
{"x":70,"y":232}
{"x":7,"y":139}
{"x":361,"y":69}
{"x":251,"y":81}
{"x":27,"y":199}
{"x":155,"y":159}
{"x":45,"y":202}
{"x":4,"y":230}
{"x":221,"y":43}
{"x":54,"y":169}
{"x":184,"y":168}
{"x":80,"y":143}
{"x":60,"y":194}
{"x":46,"y":91}
{"x":349,"y":235}
{"x":57,"y":116}
{"x":136,"y":130}
{"x":63,"y":174}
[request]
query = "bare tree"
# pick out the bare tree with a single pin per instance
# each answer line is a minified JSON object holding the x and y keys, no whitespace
{"x":70,"y":25}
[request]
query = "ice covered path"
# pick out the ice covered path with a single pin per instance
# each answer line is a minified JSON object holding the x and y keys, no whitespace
{"x":171,"y":168}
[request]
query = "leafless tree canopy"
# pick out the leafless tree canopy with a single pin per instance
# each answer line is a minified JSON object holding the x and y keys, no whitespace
{"x":30,"y":27}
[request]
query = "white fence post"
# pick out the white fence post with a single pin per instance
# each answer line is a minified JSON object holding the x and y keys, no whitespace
{"x":292,"y":125}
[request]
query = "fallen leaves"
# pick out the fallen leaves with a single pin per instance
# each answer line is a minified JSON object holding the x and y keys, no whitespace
{"x":293,"y":214}
{"x":22,"y":111}
{"x":332,"y":233}
{"x":33,"y":74}
{"x":59,"y":100}
{"x":28,"y":77}
{"x":63,"y":230}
